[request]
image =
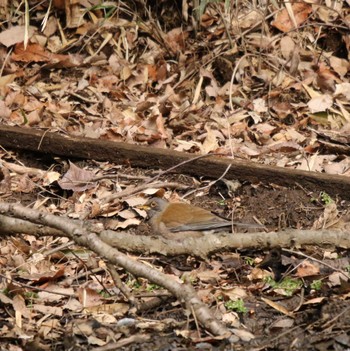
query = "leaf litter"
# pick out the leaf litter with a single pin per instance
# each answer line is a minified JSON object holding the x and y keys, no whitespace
{"x":244,"y":82}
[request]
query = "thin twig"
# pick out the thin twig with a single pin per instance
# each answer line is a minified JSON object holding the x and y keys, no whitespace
{"x":120,"y":285}
{"x":130,"y":191}
{"x":34,"y":287}
{"x":318,"y":261}
{"x":210,"y":184}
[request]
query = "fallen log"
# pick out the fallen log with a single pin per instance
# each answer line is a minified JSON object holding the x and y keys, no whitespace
{"x":147,"y":157}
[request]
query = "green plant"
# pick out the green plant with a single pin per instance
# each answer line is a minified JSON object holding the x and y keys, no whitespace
{"x":152,"y":287}
{"x":326,"y":199}
{"x":104,"y":294}
{"x":203,"y":4}
{"x":31,"y":295}
{"x":249,"y":261}
{"x":237,"y":306}
{"x":289,"y":285}
{"x":108,"y":9}
{"x":132,"y":282}
{"x":316,"y":285}
{"x":222,"y":202}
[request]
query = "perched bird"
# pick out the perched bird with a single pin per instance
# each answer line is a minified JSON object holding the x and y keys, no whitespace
{"x":172,"y":217}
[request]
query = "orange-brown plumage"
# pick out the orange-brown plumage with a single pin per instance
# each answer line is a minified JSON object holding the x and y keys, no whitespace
{"x":174,"y":217}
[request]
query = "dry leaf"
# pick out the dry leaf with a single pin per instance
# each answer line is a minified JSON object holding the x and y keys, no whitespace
{"x":343,"y":89}
{"x":15,"y":35}
{"x":278,"y":307}
{"x":284,"y":23}
{"x":307,"y":269}
{"x":287,"y":46}
{"x":320,"y":103}
{"x":77,"y":179}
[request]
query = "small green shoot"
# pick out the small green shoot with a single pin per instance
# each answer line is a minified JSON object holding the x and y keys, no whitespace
{"x":189,"y":279}
{"x":31,"y":295}
{"x":104,"y":294}
{"x":237,"y":306}
{"x":152,"y":287}
{"x":288,"y":284}
{"x":249,"y":261}
{"x":222,"y":202}
{"x":107,"y":8}
{"x":133,"y":283}
{"x":316,"y":285}
{"x":326,"y":199}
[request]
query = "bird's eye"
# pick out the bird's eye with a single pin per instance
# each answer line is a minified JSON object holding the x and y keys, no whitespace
{"x":153,"y":204}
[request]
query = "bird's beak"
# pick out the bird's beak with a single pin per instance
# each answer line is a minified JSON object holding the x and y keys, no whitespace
{"x":143,"y":207}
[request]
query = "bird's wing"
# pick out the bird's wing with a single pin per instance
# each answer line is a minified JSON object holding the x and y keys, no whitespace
{"x":178,"y":217}
{"x":200,"y":226}
{"x":211,"y":226}
{"x":181,"y":217}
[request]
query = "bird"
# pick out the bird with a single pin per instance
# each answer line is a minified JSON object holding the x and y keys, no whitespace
{"x":174,"y":217}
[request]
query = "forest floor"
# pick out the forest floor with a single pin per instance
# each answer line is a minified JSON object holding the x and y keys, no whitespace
{"x":239,"y":81}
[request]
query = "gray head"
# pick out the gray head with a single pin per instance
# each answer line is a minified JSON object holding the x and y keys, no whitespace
{"x":156,"y":205}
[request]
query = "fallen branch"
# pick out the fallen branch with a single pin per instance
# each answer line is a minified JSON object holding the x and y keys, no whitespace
{"x":200,"y":247}
{"x":77,"y":232}
{"x":212,"y":243}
